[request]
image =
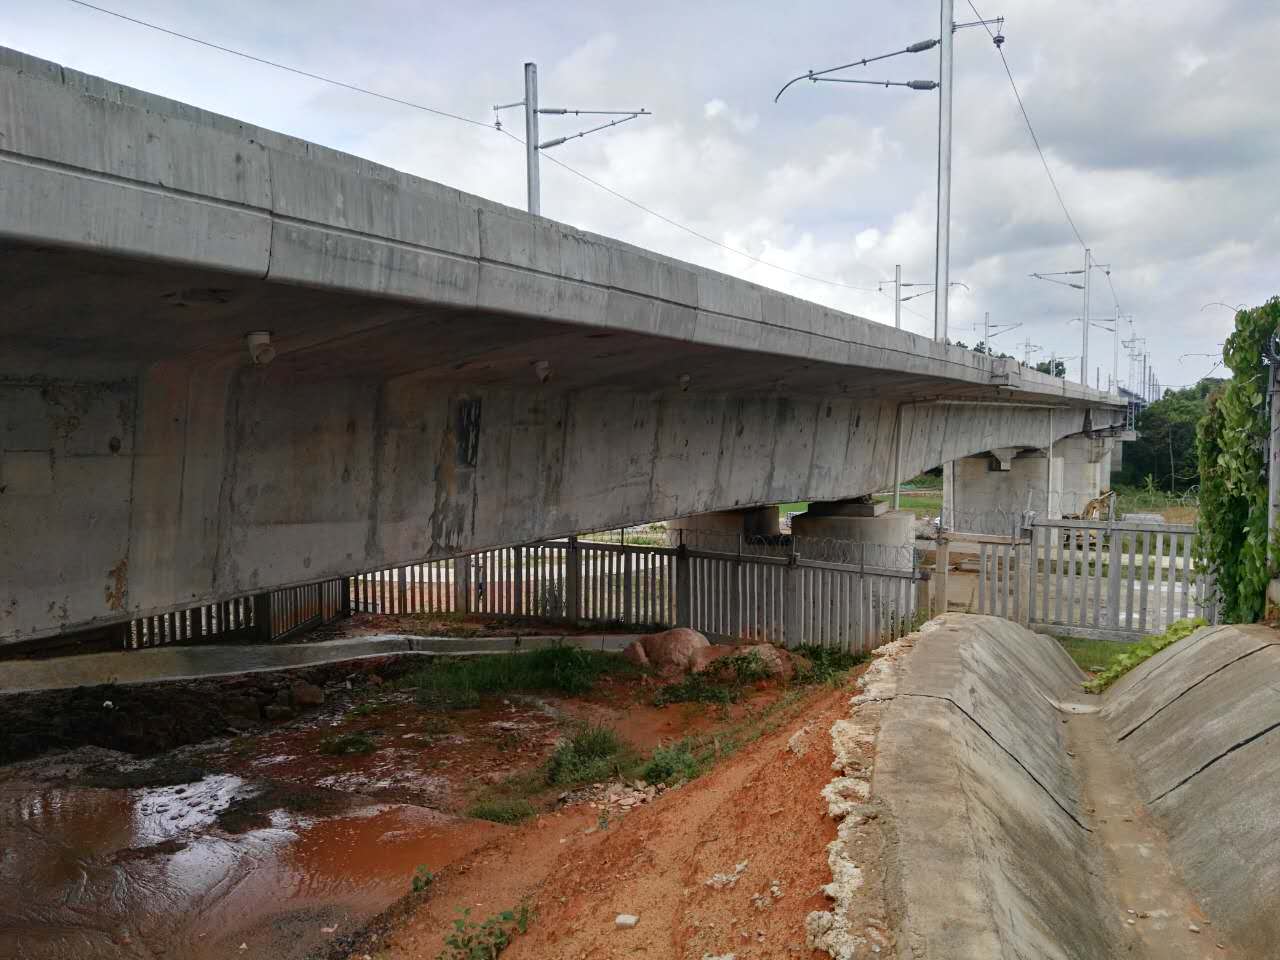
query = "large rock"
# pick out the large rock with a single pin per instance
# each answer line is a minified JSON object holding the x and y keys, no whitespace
{"x":302,"y":694}
{"x":671,"y":651}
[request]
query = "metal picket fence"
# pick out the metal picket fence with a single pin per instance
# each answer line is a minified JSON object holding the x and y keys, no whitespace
{"x":1113,"y":579}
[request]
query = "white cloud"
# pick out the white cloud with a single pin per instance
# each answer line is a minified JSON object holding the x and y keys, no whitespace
{"x":1160,"y":131}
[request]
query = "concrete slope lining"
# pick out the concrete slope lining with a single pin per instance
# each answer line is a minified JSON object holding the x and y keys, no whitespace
{"x":1201,"y":726}
{"x":1121,"y":705}
{"x":1006,"y":685}
{"x":990,"y":858}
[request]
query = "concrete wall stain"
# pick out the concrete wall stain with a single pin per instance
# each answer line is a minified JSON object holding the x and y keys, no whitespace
{"x":117,"y":588}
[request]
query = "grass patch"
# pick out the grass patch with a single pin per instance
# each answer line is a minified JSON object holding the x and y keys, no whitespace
{"x":460,"y":683}
{"x":1134,"y":654}
{"x":593,"y":753}
{"x":347,"y":743}
{"x":699,"y":688}
{"x":502,"y":810}
{"x":1093,"y":656}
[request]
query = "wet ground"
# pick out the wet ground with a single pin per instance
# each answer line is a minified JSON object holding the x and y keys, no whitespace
{"x":272,"y":842}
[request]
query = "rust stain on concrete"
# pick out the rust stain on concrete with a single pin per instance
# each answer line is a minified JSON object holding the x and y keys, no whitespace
{"x":117,"y":588}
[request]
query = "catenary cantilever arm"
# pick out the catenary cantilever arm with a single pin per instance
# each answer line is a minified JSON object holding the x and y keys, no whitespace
{"x":919,"y":47}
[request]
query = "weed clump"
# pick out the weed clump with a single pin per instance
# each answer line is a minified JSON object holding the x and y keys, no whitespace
{"x":671,"y":764}
{"x":484,"y":941}
{"x":827,"y":664}
{"x":422,"y":879}
{"x":593,"y":753}
{"x":502,"y":810}
{"x":347,"y":743}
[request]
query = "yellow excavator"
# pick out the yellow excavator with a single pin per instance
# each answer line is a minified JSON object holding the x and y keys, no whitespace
{"x":1101,"y":507}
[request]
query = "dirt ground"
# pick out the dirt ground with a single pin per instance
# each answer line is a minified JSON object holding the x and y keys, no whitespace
{"x":217,"y":832}
{"x":761,"y":808}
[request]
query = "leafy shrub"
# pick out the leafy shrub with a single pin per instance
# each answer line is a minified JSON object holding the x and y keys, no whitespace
{"x":484,"y":941}
{"x":1143,"y":650}
{"x":1231,"y":440}
{"x":744,"y":667}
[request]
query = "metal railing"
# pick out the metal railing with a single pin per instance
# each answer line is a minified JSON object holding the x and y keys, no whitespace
{"x":782,"y":598}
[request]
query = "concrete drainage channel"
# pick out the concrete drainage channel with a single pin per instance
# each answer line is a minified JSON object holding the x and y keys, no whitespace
{"x":989,"y":808}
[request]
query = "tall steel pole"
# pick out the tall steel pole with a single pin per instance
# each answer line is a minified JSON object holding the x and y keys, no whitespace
{"x":1084,"y":349}
{"x":986,"y":331}
{"x":942,"y":252}
{"x":531,"y":136}
{"x":1115,"y":354}
{"x":897,"y":295}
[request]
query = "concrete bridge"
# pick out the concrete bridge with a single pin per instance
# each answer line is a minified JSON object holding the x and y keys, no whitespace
{"x":448,"y":373}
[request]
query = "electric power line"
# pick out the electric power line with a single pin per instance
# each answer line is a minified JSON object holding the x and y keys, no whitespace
{"x":1032,"y":130}
{"x":690,"y":230}
{"x":454,"y":116}
{"x":1036,"y":140}
{"x":279,"y":66}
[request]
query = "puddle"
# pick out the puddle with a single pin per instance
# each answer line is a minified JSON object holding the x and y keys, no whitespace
{"x":147,"y":873}
{"x":97,"y":863}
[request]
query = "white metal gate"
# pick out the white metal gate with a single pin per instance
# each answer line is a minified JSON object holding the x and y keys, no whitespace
{"x":1114,"y":580}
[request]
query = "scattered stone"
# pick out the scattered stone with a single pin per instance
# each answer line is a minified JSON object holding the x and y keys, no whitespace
{"x":303,"y":694}
{"x":1193,"y":928}
{"x":720,"y":956}
{"x":798,"y":744}
{"x":242,"y":708}
{"x":625,"y":921}
{"x":720,"y":881}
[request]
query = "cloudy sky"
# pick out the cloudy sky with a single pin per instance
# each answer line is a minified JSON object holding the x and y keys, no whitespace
{"x":1157,"y":119}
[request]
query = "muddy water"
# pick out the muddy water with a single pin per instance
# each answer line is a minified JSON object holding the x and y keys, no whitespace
{"x":144,"y":873}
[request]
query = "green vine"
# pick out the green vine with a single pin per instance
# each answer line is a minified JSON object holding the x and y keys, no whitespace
{"x":1231,"y":446}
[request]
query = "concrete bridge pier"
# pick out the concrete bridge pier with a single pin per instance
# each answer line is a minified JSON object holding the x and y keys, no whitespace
{"x":889,"y":535}
{"x":989,"y":493}
{"x":720,"y":529}
{"x":1086,"y":470}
